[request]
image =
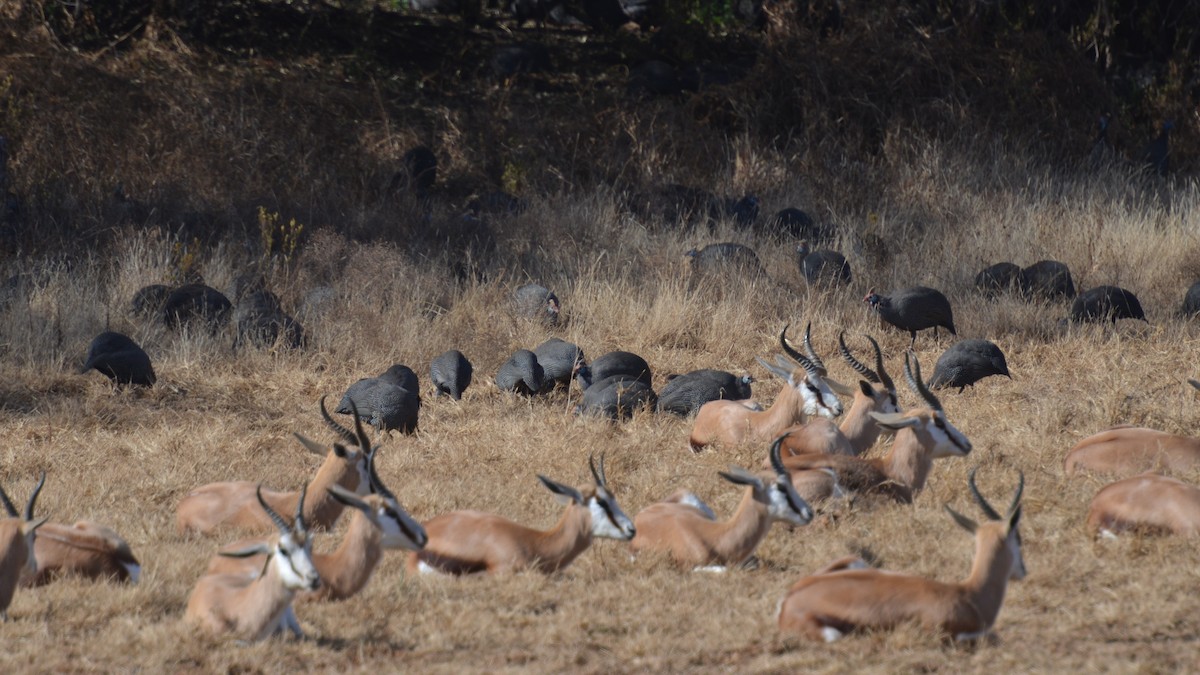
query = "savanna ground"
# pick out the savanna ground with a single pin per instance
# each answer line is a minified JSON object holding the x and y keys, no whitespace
{"x":189,"y":133}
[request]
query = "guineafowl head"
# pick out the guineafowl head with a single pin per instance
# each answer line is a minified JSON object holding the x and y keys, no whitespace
{"x":803,"y":249}
{"x":875,"y":300}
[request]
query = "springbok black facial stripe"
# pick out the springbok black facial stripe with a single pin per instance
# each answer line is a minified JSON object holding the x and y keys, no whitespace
{"x":787,"y":494}
{"x":608,"y":512}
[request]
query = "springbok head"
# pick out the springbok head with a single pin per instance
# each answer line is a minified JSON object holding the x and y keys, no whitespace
{"x":937,"y":434}
{"x":608,"y":520}
{"x":886,"y":400}
{"x":1012,"y":536}
{"x":292,"y":553}
{"x":782,"y":500}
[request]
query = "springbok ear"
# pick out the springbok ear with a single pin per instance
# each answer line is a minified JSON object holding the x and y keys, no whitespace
{"x":348,"y":498}
{"x":1194,"y":383}
{"x":1014,"y":519}
{"x":838,"y":388}
{"x":566,"y":494}
{"x":866,"y":388}
{"x":311,"y":445}
{"x":963,"y":521}
{"x":248,"y":551}
{"x":894,"y":421}
{"x":774,"y":370}
{"x":740,"y":476}
{"x":33,"y":525}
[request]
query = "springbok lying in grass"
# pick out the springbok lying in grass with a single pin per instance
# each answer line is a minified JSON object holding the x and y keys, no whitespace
{"x":255,"y":607}
{"x":467,"y":542}
{"x":827,"y":605}
{"x":379,"y":523}
{"x":232,"y":504}
{"x":922,"y":435}
{"x":1127,"y":451}
{"x":685,"y":529}
{"x":1148,"y":502}
{"x":806,"y":393}
{"x":17,"y":538}
{"x":85,"y":549}
{"x":858,"y":430}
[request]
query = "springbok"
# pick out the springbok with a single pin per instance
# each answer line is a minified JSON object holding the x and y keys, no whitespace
{"x":806,"y":393}
{"x":85,"y":549}
{"x":379,"y":523}
{"x":1149,"y":502}
{"x":232,"y":504}
{"x":858,"y":430}
{"x":1127,"y":451}
{"x":827,"y":605}
{"x":922,"y":435}
{"x":17,"y":537}
{"x":467,"y":542}
{"x":255,"y":607}
{"x":685,"y":529}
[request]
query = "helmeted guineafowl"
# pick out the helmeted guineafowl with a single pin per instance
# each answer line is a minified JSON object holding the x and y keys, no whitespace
{"x":823,"y":267}
{"x":1191,"y":301}
{"x":451,"y":374}
{"x":614,"y":363}
{"x":1106,"y":303}
{"x":120,"y":358}
{"x":193,"y":303}
{"x":149,"y":301}
{"x":521,"y":373}
{"x":914,"y":309}
{"x":537,"y":302}
{"x":559,"y":360}
{"x":683,"y":395}
{"x":967,"y":362}
{"x":260,"y":320}
{"x":996,"y":279}
{"x":1048,"y":279}
{"x":616,"y":397}
{"x":389,"y":401}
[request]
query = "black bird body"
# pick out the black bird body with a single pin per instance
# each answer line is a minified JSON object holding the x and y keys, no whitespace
{"x":1106,"y":303}
{"x":616,"y":397}
{"x":615,"y":363}
{"x":996,"y":279}
{"x":1191,"y":300}
{"x":260,"y":320}
{"x":521,"y":373}
{"x":197,"y":303}
{"x":1049,"y":279}
{"x":725,"y":258}
{"x":451,"y":374}
{"x":537,"y":302}
{"x":914,"y":309}
{"x":149,"y":301}
{"x":967,"y":362}
{"x":684,"y":395}
{"x":559,"y":360}
{"x":823,"y":267}
{"x":390,"y":401}
{"x":120,"y":358}
{"x":797,"y":224}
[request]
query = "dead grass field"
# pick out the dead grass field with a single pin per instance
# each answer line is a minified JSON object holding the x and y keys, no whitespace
{"x":125,"y":457}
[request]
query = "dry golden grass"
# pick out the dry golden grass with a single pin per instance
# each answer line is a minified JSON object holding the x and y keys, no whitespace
{"x":125,"y":457}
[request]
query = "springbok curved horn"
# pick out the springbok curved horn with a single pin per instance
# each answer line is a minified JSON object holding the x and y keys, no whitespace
{"x":597,"y":475}
{"x":983,"y":503}
{"x":776,"y":459}
{"x":796,"y":356}
{"x":884,"y":378}
{"x":812,"y":354}
{"x":8,"y":505}
{"x":373,"y":476}
{"x":300,"y":527}
{"x":854,"y":363}
{"x":275,"y":517}
{"x":1016,"y":500}
{"x":33,"y":497}
{"x":340,"y":430}
{"x":912,"y":372}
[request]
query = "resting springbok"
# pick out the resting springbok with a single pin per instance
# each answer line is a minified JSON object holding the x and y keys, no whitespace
{"x":858,"y":430}
{"x":922,"y":435}
{"x":806,"y":393}
{"x":17,"y":536}
{"x":827,"y":605}
{"x":467,"y":542}
{"x":379,"y":523}
{"x":85,"y":549}
{"x":232,"y":504}
{"x":685,"y":529}
{"x":1127,"y":451}
{"x":1150,"y":503}
{"x":255,"y":607}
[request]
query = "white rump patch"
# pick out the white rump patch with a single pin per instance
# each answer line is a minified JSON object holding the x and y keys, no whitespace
{"x":425,"y":568}
{"x":831,"y":634}
{"x":695,"y":502}
{"x":712,"y":569}
{"x":1108,"y":534}
{"x":967,"y":637}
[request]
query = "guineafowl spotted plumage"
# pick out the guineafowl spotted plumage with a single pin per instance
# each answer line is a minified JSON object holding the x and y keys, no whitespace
{"x":260,"y":320}
{"x":822,"y":268}
{"x":1106,"y":303}
{"x":914,"y":309}
{"x":537,"y":302}
{"x":521,"y":373}
{"x":559,"y":360}
{"x":614,"y":363}
{"x":390,"y":401}
{"x":1191,"y":301}
{"x":451,"y":374}
{"x":149,"y":301}
{"x":197,"y":303}
{"x":996,"y":279}
{"x":120,"y":358}
{"x":1047,"y":279}
{"x":683,"y":395}
{"x":967,"y":362}
{"x":616,"y":397}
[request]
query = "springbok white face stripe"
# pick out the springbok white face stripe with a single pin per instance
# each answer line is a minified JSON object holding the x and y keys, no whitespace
{"x":608,"y":520}
{"x":947,"y":440}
